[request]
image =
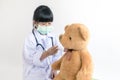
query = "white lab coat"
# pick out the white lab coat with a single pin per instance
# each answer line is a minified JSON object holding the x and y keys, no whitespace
{"x":34,"y":69}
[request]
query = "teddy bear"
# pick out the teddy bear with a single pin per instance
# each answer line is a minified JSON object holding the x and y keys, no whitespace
{"x":76,"y":63}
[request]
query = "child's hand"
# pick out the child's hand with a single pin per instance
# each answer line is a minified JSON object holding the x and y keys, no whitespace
{"x":53,"y":50}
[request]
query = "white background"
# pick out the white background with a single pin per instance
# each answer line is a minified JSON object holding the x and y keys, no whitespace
{"x":100,"y":16}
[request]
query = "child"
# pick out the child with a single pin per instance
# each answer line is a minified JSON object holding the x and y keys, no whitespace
{"x":41,"y":47}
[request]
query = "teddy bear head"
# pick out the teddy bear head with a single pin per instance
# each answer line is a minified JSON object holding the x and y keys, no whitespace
{"x":76,"y":37}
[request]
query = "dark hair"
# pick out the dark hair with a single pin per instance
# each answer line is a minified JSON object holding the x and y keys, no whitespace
{"x":43,"y":14}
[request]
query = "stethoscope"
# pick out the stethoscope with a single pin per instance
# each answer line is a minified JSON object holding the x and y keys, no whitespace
{"x":38,"y":44}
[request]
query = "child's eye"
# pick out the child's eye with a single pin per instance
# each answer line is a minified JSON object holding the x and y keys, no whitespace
{"x":43,"y":24}
{"x":49,"y":23}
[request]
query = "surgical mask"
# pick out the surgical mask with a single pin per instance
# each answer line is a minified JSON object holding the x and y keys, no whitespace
{"x":44,"y":29}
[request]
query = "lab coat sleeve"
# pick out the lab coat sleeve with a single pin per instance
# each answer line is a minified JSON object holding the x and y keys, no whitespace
{"x":31,"y":54}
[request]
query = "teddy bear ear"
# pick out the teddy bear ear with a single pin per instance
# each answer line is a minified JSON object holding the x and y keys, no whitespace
{"x":83,"y":31}
{"x":66,"y":27}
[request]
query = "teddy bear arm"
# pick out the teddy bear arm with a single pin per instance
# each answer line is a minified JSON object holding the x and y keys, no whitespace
{"x":86,"y":61}
{"x":56,"y":65}
{"x":85,"y":71}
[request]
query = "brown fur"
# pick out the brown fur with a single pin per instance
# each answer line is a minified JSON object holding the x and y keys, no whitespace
{"x":76,"y":63}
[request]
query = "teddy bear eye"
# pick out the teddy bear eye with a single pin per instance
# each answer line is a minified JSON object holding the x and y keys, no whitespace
{"x":70,"y":38}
